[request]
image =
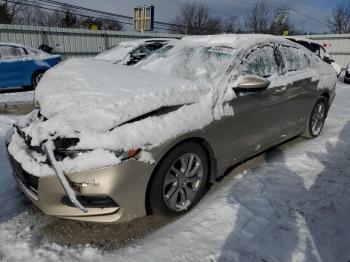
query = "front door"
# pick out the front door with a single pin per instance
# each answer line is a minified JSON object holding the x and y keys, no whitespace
{"x":258,"y":115}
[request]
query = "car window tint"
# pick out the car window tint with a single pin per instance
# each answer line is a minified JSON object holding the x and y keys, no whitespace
{"x":11,"y":52}
{"x":294,"y":58}
{"x":260,"y":61}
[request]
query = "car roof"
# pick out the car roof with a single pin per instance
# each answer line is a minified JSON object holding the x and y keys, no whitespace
{"x":304,"y":41}
{"x":237,"y":41}
{"x":13,"y":44}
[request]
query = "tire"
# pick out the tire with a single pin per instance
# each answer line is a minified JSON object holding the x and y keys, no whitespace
{"x":36,"y":79}
{"x":317,"y":118}
{"x":175,"y":188}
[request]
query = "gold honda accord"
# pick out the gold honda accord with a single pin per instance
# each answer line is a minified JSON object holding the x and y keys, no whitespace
{"x":110,"y":143}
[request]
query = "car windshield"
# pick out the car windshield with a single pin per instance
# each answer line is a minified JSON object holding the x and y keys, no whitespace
{"x":203,"y":63}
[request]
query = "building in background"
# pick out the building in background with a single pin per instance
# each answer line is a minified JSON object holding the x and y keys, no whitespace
{"x":143,"y":18}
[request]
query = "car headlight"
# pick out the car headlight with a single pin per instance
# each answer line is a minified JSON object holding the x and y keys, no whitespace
{"x":60,"y":154}
{"x":124,"y":155}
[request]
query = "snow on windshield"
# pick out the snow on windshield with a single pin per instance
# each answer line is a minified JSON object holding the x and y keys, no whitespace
{"x":119,"y":52}
{"x":196,"y":63}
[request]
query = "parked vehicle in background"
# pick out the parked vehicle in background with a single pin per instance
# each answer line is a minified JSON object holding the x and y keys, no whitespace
{"x":23,"y":66}
{"x":131,"y":52}
{"x":347,"y":75}
{"x":110,"y":143}
{"x":318,"y":50}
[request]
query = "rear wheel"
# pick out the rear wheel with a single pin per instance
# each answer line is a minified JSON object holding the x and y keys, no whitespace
{"x":180,"y":180}
{"x":317,"y":119}
{"x":36,"y":79}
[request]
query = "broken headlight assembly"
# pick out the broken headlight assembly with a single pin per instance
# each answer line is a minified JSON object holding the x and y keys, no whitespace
{"x":62,"y":150}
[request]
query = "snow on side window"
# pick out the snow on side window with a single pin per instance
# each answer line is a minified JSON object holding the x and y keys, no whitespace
{"x":10,"y":52}
{"x":260,"y":61}
{"x":294,"y":58}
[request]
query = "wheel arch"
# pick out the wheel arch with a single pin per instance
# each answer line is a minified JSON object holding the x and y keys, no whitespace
{"x":207,"y":149}
{"x":326,"y":95}
{"x":37,"y":71}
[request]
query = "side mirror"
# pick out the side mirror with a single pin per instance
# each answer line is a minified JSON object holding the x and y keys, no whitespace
{"x":252,"y":83}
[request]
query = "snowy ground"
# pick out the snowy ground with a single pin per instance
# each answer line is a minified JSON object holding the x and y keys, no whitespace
{"x":21,"y":96}
{"x":292,"y":204}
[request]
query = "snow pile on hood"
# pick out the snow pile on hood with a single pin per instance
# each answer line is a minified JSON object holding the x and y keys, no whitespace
{"x":90,"y":105}
{"x":96,"y":96}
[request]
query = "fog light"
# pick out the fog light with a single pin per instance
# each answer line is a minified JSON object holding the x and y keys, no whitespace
{"x":91,"y":201}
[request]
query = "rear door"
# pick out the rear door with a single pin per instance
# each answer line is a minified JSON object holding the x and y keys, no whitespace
{"x":14,"y":66}
{"x":258,"y":115}
{"x":301,"y":89}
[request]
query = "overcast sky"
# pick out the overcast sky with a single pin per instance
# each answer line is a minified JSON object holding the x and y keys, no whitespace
{"x":166,"y":10}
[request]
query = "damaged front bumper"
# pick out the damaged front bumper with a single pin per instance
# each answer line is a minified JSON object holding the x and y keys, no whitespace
{"x":111,"y":194}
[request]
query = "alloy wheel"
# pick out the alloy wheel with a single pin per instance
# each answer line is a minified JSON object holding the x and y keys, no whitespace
{"x":38,"y":78}
{"x":318,"y":117}
{"x":182,"y":182}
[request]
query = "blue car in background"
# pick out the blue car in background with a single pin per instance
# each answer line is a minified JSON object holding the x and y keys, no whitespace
{"x":23,"y":66}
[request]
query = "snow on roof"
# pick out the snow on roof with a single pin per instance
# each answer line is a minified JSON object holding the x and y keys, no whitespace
{"x":233,"y":40}
{"x":12,"y":44}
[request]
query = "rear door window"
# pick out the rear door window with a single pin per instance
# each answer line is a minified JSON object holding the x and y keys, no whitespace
{"x":260,"y":61}
{"x":11,"y":52}
{"x":294,"y":58}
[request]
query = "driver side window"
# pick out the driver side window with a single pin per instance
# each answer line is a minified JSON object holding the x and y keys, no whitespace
{"x":260,"y":61}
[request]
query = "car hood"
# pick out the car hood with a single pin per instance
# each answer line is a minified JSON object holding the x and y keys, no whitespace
{"x":87,"y":95}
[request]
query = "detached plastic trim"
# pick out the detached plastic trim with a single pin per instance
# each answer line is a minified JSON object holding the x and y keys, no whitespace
{"x":48,"y":148}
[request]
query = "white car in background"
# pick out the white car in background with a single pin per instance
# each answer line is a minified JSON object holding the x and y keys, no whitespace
{"x":131,"y":52}
{"x":318,"y":50}
{"x":347,"y":75}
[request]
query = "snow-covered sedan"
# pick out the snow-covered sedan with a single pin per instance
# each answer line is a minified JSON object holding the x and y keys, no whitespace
{"x":23,"y":66}
{"x":131,"y":52}
{"x":347,"y":75}
{"x":110,"y":143}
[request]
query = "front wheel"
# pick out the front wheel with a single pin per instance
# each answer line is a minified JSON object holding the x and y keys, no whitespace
{"x":180,"y":180}
{"x":317,"y":119}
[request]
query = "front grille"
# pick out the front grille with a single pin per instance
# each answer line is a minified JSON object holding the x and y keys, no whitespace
{"x":27,"y":179}
{"x":347,"y":74}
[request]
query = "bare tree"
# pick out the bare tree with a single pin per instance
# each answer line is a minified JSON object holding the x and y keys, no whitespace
{"x":258,"y":20}
{"x":69,"y":19}
{"x":194,"y":18}
{"x":8,"y":11}
{"x":231,"y":25}
{"x":281,"y":22}
{"x":5,"y":17}
{"x":339,"y":22}
{"x":114,"y":25}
